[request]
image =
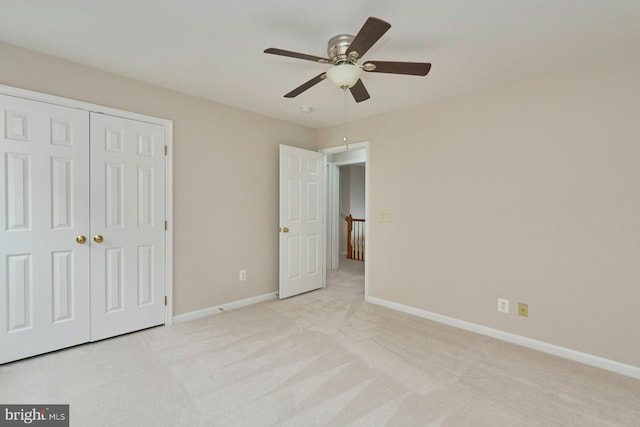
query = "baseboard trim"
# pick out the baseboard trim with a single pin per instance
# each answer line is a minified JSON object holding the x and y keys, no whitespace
{"x":198,"y":314}
{"x":587,"y":359}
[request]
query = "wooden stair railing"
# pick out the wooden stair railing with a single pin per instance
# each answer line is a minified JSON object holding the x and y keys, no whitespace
{"x":355,"y":238}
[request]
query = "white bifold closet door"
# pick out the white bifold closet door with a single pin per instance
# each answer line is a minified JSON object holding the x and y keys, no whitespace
{"x":44,"y":272}
{"x":127,"y":212}
{"x":66,"y":177}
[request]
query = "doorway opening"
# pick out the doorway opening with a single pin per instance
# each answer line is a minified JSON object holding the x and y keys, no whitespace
{"x":347,"y":195}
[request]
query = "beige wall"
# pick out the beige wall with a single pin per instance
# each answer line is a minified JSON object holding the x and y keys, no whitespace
{"x":528,"y":191}
{"x":225,"y":175}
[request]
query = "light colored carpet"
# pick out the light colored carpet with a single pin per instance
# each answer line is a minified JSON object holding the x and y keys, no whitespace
{"x":322,"y":358}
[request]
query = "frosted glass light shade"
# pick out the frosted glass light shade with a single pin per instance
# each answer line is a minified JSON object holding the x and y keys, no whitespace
{"x":344,"y":76}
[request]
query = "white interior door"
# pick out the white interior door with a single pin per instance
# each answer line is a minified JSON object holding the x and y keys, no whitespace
{"x":44,"y":272}
{"x":302,"y":202}
{"x":127,"y":225}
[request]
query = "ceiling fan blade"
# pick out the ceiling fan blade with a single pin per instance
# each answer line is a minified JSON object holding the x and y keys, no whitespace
{"x":314,"y":81}
{"x":281,"y":52}
{"x":359,"y":92}
{"x":410,"y":68}
{"x":368,"y":35}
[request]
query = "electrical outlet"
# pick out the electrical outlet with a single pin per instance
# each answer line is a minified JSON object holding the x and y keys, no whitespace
{"x":503,"y":305}
{"x":243,"y":275}
{"x":523,"y":309}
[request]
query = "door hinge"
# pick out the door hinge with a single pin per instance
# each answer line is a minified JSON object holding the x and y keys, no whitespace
{"x":166,"y":150}
{"x":165,"y":226}
{"x":165,"y":300}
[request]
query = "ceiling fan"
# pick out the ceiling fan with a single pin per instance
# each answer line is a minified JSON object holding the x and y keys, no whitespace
{"x":344,"y":50}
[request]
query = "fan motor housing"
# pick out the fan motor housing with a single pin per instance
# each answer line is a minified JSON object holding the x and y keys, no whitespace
{"x":337,"y":48}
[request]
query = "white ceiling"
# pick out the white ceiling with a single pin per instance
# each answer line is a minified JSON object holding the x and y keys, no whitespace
{"x":214,"y":49}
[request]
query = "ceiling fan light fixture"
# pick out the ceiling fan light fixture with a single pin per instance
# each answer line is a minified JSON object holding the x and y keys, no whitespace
{"x":344,"y":76}
{"x":343,"y":51}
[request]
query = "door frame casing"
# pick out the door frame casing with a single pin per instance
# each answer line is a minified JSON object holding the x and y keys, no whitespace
{"x":168,"y":126}
{"x":367,"y":243}
{"x":332,"y":251}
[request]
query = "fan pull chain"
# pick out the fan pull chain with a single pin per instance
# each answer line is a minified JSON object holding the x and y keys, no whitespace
{"x":346,"y":117}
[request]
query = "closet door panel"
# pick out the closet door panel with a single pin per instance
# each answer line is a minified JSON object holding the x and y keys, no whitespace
{"x":127,"y":212}
{"x":44,"y":206}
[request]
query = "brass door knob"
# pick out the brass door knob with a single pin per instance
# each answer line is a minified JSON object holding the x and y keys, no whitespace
{"x":285,"y":230}
{"x":97,"y":239}
{"x":81,"y":239}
